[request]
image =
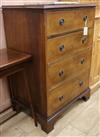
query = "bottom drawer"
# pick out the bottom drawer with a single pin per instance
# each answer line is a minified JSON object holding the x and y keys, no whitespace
{"x":62,"y":95}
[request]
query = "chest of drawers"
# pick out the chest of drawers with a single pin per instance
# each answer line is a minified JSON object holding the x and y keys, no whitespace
{"x":53,"y":34}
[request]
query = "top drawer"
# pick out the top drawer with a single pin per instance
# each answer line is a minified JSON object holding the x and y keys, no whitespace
{"x":64,"y":21}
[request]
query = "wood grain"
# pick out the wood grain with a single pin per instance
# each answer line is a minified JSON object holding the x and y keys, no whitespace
{"x":10,"y":58}
{"x":62,"y":95}
{"x":68,"y":44}
{"x":29,"y":25}
{"x":53,"y":20}
{"x":68,"y":67}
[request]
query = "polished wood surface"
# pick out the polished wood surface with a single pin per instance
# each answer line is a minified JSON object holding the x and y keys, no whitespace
{"x":95,"y":66}
{"x":16,"y":67}
{"x":68,"y":67}
{"x":54,"y":20}
{"x":68,"y":44}
{"x":30,"y":34}
{"x":62,"y":95}
{"x":51,"y":6}
{"x":10,"y":58}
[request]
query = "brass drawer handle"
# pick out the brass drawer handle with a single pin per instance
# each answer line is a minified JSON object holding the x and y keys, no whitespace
{"x":61,"y":73}
{"x":61,"y":22}
{"x":81,"y":83}
{"x":84,"y":39}
{"x":85,"y":18}
{"x":82,"y":61}
{"x":61,"y":98}
{"x":61,"y":48}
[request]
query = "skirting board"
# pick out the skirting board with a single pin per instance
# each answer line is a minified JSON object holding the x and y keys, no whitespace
{"x":7,"y":115}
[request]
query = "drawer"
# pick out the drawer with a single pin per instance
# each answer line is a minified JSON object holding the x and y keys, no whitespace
{"x":62,"y":95}
{"x":67,"y":44}
{"x":68,"y":20}
{"x":68,"y":67}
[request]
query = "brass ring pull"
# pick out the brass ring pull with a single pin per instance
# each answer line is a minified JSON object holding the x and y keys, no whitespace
{"x":61,"y":22}
{"x":81,"y":83}
{"x":61,"y":73}
{"x":61,"y":48}
{"x":85,"y":18}
{"x":61,"y":98}
{"x":84,"y":40}
{"x":82,"y":61}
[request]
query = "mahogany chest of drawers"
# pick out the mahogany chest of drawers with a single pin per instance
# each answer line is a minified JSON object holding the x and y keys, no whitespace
{"x":54,"y":35}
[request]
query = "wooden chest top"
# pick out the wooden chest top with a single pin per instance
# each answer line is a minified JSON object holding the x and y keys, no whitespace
{"x":51,"y":6}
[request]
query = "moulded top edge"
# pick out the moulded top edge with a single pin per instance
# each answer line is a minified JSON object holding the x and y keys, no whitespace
{"x":50,"y":6}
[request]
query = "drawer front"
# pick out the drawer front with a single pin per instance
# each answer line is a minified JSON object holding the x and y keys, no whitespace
{"x":68,"y":67}
{"x":64,"y":21}
{"x":67,"y":44}
{"x":62,"y":95}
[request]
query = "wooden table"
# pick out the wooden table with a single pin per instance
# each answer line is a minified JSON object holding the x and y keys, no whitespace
{"x":15,"y":66}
